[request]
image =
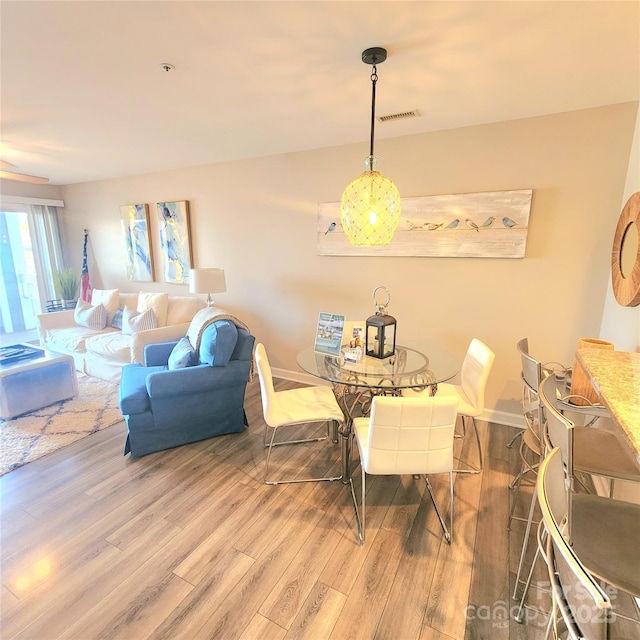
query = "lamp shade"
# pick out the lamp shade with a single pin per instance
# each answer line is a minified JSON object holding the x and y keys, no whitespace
{"x":207,"y":281}
{"x":370,"y":208}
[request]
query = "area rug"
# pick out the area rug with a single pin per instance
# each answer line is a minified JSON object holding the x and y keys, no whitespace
{"x":38,"y":433}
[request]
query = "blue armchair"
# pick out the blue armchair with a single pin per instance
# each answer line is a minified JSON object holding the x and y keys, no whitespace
{"x":167,"y":403}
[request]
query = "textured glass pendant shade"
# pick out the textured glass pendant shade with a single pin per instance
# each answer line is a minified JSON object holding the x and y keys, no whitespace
{"x":370,"y":207}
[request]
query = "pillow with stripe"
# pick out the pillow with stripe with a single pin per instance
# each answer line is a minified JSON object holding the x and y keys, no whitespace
{"x":133,"y":322}
{"x":110,"y":298}
{"x":91,"y":317}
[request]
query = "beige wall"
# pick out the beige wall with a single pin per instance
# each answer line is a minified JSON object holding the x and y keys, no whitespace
{"x":621,"y":325}
{"x":24,"y":189}
{"x":257,"y":219}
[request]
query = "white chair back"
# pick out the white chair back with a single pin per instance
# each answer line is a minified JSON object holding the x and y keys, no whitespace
{"x":410,"y":435}
{"x":474,"y":374}
{"x":267,"y":391}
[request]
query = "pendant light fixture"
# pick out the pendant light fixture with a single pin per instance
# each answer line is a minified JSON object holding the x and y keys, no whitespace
{"x":370,"y":206}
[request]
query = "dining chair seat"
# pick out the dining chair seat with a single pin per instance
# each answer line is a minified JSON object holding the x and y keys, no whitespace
{"x":304,"y":406}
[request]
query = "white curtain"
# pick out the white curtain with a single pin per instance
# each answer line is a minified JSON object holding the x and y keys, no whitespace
{"x":46,"y":244}
{"x":47,"y":248}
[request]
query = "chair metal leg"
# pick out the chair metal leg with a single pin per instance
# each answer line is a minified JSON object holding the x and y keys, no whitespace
{"x":525,"y":544}
{"x":549,"y":629}
{"x":513,"y":440}
{"x":294,"y":480}
{"x":519,"y":617}
{"x":516,"y":479}
{"x":447,"y":535}
{"x":359,"y":522}
{"x":527,"y":584}
{"x":525,"y":467}
{"x":278,"y":444}
{"x":515,"y":497}
{"x":477,"y":435}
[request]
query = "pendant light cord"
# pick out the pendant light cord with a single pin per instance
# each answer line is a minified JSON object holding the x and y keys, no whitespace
{"x":374,"y":79}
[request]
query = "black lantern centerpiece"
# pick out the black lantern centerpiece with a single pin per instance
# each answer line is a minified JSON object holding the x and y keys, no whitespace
{"x":380,"y":340}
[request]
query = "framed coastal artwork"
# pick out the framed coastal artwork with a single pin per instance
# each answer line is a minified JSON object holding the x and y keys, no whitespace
{"x":491,"y":224}
{"x":329,"y":334}
{"x":134,"y":219}
{"x":175,"y":241}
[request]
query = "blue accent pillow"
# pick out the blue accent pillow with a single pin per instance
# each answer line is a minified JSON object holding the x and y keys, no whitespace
{"x":182,"y":355}
{"x":116,"y":321}
{"x":217,"y":343}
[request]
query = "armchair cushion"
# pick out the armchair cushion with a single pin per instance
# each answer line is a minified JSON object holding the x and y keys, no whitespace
{"x":134,"y":398}
{"x":218,"y":343}
{"x":182,"y":355}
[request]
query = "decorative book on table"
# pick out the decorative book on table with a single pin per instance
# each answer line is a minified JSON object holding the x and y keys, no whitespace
{"x":19,"y":352}
{"x":329,"y":334}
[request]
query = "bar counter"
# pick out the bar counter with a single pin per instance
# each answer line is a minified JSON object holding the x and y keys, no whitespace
{"x":615,"y":376}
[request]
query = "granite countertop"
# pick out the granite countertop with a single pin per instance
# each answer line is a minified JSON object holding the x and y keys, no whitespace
{"x":615,"y":376}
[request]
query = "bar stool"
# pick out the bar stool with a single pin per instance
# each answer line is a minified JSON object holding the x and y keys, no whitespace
{"x":585,"y":607}
{"x":594,"y":522}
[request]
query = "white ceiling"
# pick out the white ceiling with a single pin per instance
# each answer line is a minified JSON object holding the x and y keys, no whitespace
{"x":84,"y":96}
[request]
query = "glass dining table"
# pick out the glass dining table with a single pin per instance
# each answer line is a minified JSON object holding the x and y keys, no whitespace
{"x":420,"y":365}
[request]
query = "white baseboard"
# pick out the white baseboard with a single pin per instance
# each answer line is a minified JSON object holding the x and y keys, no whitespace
{"x":499,"y":417}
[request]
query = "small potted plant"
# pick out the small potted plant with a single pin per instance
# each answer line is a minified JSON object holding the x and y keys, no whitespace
{"x":66,"y":283}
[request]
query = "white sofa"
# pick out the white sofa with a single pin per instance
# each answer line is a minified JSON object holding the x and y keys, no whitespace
{"x":102,"y":353}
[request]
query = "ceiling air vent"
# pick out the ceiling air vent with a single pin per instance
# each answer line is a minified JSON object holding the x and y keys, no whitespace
{"x":399,"y":116}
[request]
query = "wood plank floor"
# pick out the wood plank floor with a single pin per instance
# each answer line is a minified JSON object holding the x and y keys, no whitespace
{"x":189,"y":543}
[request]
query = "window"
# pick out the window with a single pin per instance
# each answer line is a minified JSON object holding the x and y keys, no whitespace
{"x":30,"y":251}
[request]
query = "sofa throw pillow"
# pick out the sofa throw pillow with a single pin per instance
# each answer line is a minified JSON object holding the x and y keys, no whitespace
{"x":182,"y":309}
{"x":132,"y":322}
{"x":156,"y":301}
{"x":116,"y":321}
{"x":182,"y":355}
{"x":217,"y":343}
{"x":108,"y":298}
{"x":89,"y":316}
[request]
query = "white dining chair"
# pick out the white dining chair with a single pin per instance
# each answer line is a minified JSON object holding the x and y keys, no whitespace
{"x":470,"y":391}
{"x":304,"y":406}
{"x":412,"y":436}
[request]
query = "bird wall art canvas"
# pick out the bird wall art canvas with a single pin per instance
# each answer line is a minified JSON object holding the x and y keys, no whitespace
{"x":175,"y":241}
{"x":490,"y":224}
{"x":134,"y":219}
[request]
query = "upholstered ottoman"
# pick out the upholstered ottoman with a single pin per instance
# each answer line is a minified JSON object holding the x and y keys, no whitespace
{"x":32,"y":384}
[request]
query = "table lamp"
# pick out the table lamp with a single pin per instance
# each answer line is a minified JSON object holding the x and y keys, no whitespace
{"x":207,"y":281}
